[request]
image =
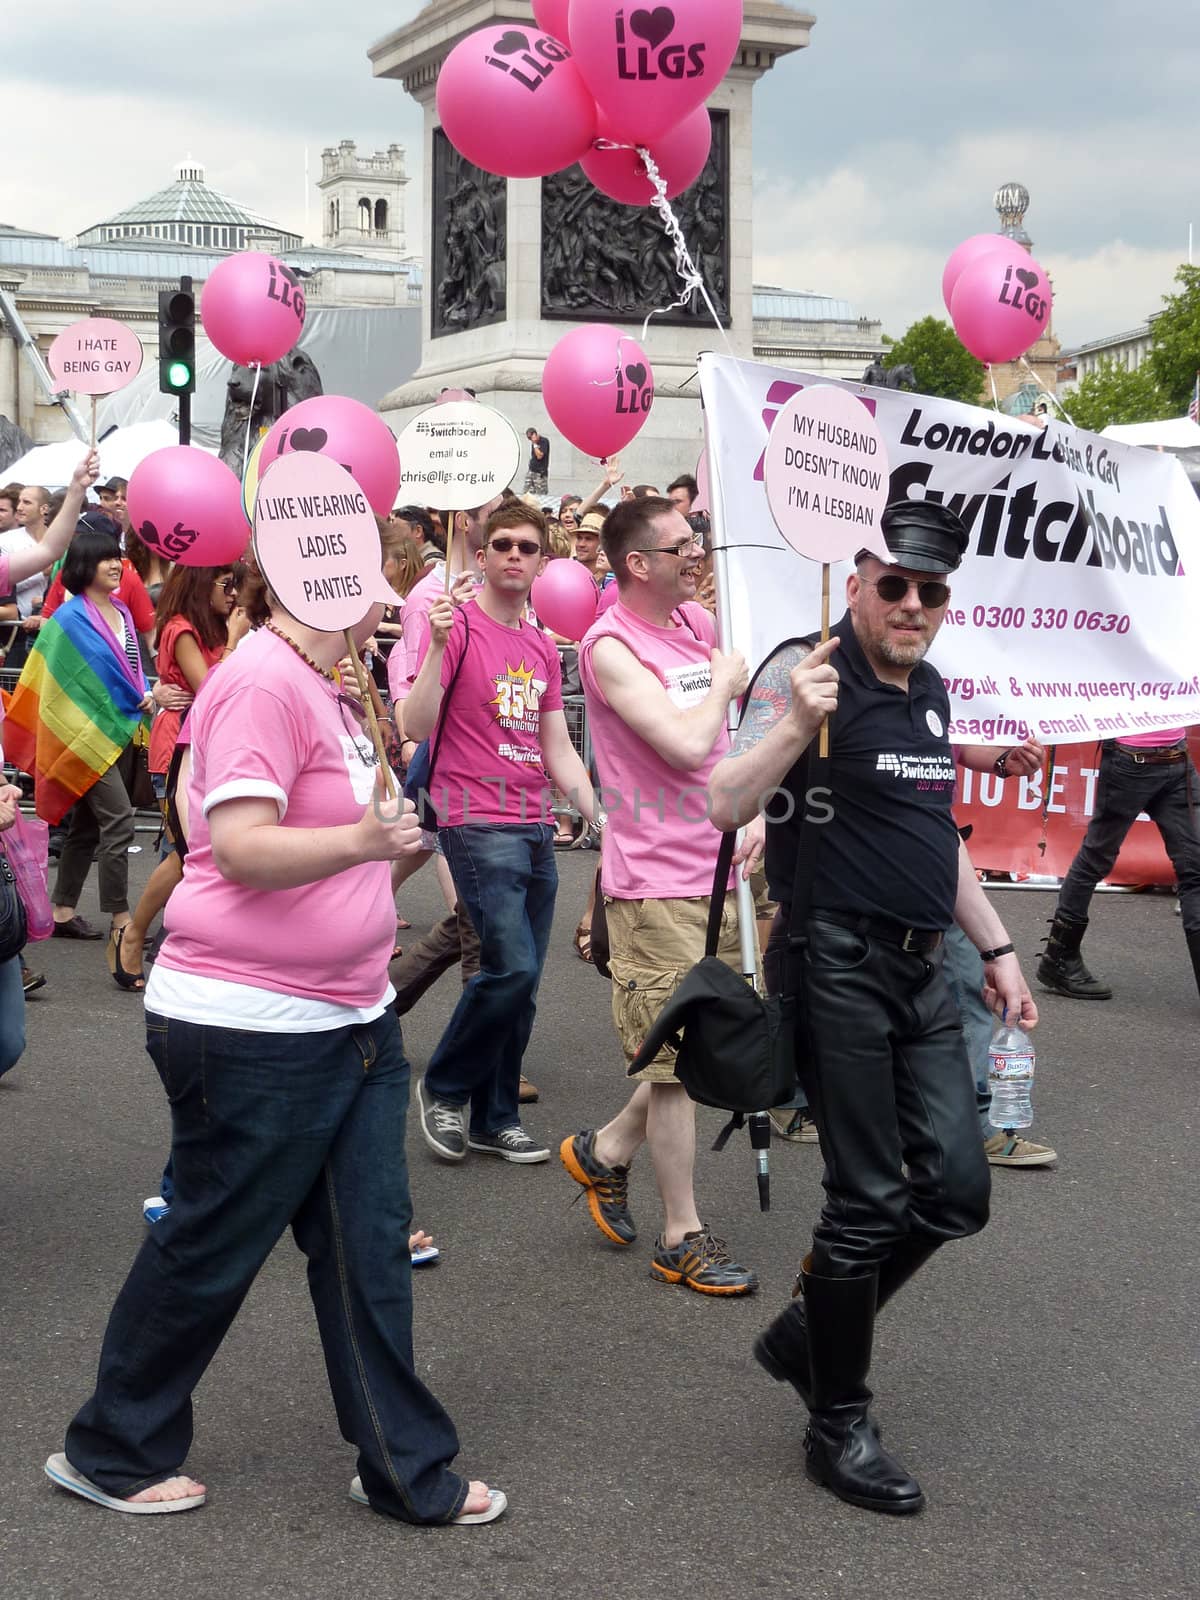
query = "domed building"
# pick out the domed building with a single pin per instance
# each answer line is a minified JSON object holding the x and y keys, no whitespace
{"x":189,"y":212}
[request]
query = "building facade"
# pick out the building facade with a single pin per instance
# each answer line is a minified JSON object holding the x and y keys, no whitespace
{"x":814,"y":332}
{"x":118,"y":266}
{"x":362,"y":200}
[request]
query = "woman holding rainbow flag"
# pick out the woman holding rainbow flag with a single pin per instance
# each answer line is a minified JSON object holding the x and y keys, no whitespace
{"x":78,"y":712}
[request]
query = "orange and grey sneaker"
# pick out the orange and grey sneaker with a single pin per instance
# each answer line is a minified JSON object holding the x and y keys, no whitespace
{"x":701,"y":1262}
{"x":607,"y":1188}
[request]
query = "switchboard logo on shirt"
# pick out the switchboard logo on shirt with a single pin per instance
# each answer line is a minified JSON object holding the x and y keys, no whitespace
{"x":925,"y":771}
{"x":518,"y":696}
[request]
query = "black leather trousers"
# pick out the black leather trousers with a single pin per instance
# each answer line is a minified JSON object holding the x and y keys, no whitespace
{"x":882,"y":1061}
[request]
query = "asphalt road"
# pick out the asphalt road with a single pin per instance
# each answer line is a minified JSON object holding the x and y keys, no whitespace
{"x":1041,"y":1380}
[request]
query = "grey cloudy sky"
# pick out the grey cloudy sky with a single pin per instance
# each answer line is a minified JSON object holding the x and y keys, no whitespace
{"x":876,"y":150}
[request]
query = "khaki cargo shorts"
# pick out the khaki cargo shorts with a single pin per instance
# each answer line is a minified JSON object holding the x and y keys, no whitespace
{"x":653,"y":944}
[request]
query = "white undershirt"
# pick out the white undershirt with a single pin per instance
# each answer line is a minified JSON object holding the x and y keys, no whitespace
{"x":218,"y":1003}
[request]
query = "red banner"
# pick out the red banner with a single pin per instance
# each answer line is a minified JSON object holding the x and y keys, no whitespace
{"x":1007,"y":818}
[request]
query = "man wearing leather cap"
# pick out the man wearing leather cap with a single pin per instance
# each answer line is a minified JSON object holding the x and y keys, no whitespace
{"x":879,"y":1042}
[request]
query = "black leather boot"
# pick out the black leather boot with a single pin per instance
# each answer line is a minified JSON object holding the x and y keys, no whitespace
{"x":1061,"y":969}
{"x":843,"y":1451}
{"x":1193,"y":944}
{"x":782,"y":1348}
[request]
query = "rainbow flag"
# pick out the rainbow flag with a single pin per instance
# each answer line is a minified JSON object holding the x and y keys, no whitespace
{"x":75,"y":707}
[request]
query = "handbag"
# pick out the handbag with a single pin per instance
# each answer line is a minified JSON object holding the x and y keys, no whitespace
{"x":599,"y":946}
{"x":736,"y":1049}
{"x":13,"y":929}
{"x":26,"y":847}
{"x":418,"y":780}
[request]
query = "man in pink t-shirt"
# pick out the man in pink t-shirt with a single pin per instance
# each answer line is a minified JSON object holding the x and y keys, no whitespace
{"x":489,"y":698}
{"x":658,"y":694}
{"x":1150,"y":772}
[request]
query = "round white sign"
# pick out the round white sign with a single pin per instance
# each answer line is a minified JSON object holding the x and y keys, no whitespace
{"x":457,"y":456}
{"x":935,"y":724}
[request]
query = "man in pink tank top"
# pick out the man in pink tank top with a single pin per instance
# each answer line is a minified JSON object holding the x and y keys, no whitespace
{"x":1148,"y":772}
{"x":658,"y":693}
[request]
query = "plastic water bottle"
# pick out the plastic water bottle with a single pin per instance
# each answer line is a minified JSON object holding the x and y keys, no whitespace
{"x":1011,"y":1063}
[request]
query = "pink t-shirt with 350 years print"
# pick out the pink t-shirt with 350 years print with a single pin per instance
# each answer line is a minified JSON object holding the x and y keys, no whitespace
{"x":489,"y":765}
{"x":268,"y":726}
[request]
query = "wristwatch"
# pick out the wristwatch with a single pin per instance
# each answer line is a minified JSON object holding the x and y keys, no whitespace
{"x":1000,"y":766}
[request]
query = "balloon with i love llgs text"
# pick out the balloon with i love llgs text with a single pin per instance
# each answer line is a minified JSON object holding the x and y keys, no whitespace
{"x":1000,"y":306}
{"x":511,"y":100}
{"x":252,"y":308}
{"x":974,"y":249}
{"x":679,"y":156}
{"x":346,"y":431}
{"x":598,"y":388}
{"x":187,"y":506}
{"x":648,"y":66}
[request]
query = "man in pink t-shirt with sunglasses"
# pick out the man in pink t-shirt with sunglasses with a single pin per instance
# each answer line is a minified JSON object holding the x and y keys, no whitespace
{"x":658,"y":693}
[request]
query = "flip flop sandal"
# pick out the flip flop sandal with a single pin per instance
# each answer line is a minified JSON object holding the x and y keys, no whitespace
{"x":60,"y":1471}
{"x":497,"y":1505}
{"x":135,"y":981}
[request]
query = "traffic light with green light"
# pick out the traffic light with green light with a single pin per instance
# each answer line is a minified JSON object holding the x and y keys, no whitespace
{"x":177,"y":341}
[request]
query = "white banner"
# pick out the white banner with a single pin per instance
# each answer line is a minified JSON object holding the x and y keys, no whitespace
{"x":1075,"y":615}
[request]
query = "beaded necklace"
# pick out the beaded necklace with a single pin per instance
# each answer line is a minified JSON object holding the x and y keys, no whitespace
{"x":326,"y":672}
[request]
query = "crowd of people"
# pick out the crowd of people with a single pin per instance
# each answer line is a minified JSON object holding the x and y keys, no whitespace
{"x":274,"y":994}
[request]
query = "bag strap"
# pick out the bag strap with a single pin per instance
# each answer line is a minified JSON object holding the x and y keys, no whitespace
{"x":446,"y":699}
{"x":806,"y":858}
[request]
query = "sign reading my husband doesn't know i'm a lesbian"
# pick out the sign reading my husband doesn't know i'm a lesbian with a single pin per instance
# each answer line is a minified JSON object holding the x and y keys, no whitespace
{"x":95,"y":356}
{"x":826,"y":475}
{"x":317,"y":543}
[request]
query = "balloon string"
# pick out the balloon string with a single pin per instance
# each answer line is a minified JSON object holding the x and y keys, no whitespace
{"x":992,"y":380}
{"x":250,"y":417}
{"x":1032,"y":373}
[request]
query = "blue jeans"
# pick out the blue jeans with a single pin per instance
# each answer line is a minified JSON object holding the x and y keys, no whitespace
{"x":507,"y":879}
{"x":12,"y":1014}
{"x":272,"y":1129}
{"x":964,"y":974}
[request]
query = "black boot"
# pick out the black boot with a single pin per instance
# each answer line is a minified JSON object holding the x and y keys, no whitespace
{"x":1061,"y":969}
{"x":841,"y":1444}
{"x":1193,"y":944}
{"x":782,"y":1348}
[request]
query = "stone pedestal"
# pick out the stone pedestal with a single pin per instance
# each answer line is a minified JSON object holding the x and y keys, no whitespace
{"x":500,"y":291}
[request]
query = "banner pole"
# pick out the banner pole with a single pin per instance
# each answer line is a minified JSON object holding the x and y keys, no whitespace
{"x":747,"y":926}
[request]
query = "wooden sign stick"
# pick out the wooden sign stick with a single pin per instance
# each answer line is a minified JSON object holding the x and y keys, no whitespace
{"x":451,"y":532}
{"x":93,"y":422}
{"x":372,"y":721}
{"x":823,"y":745}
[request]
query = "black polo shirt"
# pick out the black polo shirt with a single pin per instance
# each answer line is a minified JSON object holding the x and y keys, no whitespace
{"x":891,"y":847}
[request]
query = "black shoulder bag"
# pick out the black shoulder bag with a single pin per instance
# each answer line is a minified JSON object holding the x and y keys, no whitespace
{"x":418,"y":780}
{"x":737,"y":1048}
{"x":13,"y":927}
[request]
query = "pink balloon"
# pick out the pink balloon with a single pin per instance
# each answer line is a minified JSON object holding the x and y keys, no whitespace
{"x":551,"y":18}
{"x":349,"y":433}
{"x":974,"y":249}
{"x":679,"y":155}
{"x":649,"y":67}
{"x":1001,"y":306}
{"x":252,"y":308}
{"x":564,"y":598}
{"x":187,"y":506}
{"x":511,"y":100}
{"x":598,"y":388}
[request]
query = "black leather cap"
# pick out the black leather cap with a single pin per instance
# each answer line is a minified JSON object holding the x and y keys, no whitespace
{"x":924,"y":536}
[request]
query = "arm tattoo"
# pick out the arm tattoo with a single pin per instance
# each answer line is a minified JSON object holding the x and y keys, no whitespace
{"x":770,"y":701}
